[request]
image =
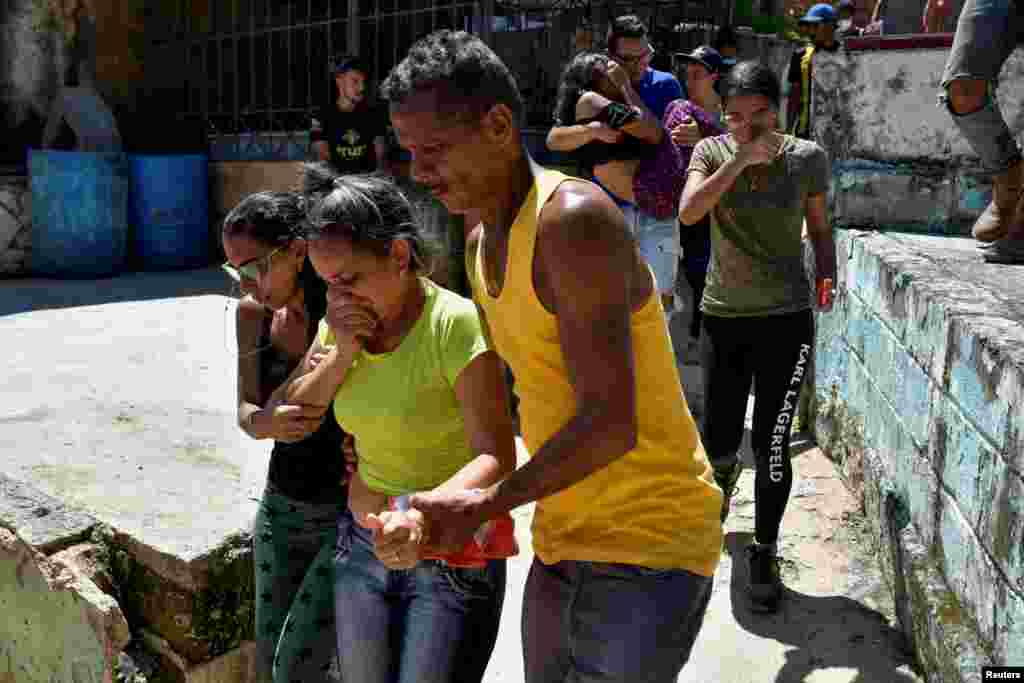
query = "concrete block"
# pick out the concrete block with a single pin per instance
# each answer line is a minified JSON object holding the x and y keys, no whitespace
{"x":90,"y":560}
{"x":986,"y":378}
{"x":203,"y":619}
{"x":866,"y":104}
{"x":892,"y":196}
{"x":981,"y":587}
{"x":58,"y":626}
{"x":46,"y":523}
{"x":236,"y":666}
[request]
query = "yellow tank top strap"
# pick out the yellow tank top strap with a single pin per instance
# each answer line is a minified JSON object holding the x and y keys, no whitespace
{"x":805,"y":91}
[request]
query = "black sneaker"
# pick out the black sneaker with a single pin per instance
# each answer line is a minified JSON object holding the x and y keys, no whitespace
{"x":765,"y":587}
{"x":726,"y":478}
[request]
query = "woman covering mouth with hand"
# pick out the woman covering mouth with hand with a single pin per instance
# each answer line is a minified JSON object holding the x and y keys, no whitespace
{"x":404,"y":366}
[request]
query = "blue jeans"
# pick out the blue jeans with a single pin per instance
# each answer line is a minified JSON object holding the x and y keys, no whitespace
{"x":597,"y":622}
{"x":986,"y":33}
{"x":431,"y":624}
{"x":659,"y":245}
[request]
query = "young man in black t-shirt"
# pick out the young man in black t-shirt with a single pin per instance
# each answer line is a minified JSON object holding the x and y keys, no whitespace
{"x":348,"y":133}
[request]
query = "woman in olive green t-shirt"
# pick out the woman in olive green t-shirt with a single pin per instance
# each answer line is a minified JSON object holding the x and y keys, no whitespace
{"x":760,"y":188}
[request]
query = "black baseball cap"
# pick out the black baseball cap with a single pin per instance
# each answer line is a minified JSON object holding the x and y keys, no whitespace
{"x":706,"y":56}
{"x":343,"y":63}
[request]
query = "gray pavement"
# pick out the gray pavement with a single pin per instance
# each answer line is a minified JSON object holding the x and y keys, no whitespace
{"x":836,"y":624}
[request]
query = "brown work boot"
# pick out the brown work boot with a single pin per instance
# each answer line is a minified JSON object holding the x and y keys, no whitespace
{"x":994,"y":223}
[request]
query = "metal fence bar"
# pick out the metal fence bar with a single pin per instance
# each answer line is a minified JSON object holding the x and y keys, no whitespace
{"x":309,"y":54}
{"x":289,"y":93}
{"x":270,"y":66}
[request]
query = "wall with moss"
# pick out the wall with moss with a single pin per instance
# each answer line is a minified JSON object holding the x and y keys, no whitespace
{"x":920,"y":396}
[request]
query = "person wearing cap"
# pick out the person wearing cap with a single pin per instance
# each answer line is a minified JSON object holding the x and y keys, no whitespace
{"x":696,"y":118}
{"x":821,"y":21}
{"x":986,"y":35}
{"x":347,"y":133}
{"x":728,"y":46}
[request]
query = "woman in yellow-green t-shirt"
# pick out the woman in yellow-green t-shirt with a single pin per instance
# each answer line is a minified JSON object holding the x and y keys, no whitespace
{"x":406,"y":369}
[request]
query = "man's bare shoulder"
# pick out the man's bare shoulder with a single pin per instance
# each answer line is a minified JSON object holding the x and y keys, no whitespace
{"x":580,"y":223}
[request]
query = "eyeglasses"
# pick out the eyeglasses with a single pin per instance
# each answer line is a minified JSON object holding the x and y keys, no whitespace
{"x":635,"y":59}
{"x":761,"y":118}
{"x":253,"y":269}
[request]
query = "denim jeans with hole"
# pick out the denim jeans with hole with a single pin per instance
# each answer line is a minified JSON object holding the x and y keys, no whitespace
{"x":986,"y":34}
{"x":431,"y":624}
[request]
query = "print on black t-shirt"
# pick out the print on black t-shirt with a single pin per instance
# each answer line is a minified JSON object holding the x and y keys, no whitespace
{"x":349,"y":136}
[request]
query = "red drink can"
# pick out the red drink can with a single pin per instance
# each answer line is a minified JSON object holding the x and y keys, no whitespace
{"x":824,"y":292}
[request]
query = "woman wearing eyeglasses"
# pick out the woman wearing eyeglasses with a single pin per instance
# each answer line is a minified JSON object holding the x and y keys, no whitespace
{"x":759,"y":187}
{"x":296,"y":527}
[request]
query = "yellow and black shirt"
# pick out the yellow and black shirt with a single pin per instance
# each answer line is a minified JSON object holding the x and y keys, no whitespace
{"x":350,"y":136}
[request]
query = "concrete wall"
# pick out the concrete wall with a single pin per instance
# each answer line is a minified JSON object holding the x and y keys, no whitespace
{"x":15,"y":224}
{"x":920,"y":391}
{"x":919,"y":383}
{"x":899,"y":161}
{"x":30,"y":64}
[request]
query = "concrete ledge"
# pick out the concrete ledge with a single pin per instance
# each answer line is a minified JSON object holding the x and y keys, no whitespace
{"x":899,"y":160}
{"x":46,"y":524}
{"x":921,"y":368}
{"x":58,"y":626}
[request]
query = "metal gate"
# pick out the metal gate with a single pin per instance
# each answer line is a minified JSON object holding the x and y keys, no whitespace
{"x":251,"y":72}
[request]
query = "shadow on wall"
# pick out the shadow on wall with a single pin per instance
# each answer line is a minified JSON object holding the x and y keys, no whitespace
{"x":36,"y":294}
{"x":825,"y":631}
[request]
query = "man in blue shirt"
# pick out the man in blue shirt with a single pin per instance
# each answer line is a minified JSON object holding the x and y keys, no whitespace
{"x":630,"y":50}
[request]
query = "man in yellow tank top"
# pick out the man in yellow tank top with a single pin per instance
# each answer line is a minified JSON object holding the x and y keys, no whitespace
{"x":627,"y":533}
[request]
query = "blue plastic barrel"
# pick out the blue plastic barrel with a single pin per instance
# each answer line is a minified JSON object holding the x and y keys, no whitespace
{"x":79,"y":213}
{"x":169,"y":209}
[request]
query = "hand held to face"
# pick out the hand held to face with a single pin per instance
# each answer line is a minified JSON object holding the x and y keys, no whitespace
{"x":763,"y":147}
{"x":617,"y":74}
{"x":352,"y":324}
{"x":686,"y":133}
